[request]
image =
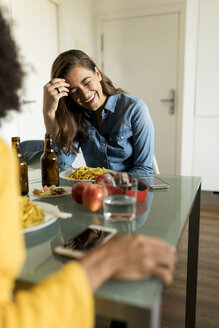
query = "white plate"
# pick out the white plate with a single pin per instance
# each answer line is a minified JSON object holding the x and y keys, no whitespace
{"x":67,"y":189}
{"x":64,"y":174}
{"x":48,"y":219}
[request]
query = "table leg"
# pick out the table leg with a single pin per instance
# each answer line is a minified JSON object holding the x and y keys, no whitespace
{"x":192,"y":262}
{"x":131,"y":315}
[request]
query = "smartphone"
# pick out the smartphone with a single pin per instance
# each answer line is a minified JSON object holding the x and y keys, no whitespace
{"x":92,"y":237}
{"x":156,"y":183}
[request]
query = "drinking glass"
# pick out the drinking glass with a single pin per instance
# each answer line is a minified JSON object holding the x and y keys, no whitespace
{"x":120,"y":204}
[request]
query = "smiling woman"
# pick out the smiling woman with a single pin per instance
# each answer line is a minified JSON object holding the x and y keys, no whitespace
{"x":113,"y":129}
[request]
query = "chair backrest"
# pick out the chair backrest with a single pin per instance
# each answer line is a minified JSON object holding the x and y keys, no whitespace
{"x":155,"y":166}
{"x":32,"y":150}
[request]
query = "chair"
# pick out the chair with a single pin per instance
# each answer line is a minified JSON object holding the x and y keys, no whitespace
{"x":155,"y":166}
{"x":32,"y":150}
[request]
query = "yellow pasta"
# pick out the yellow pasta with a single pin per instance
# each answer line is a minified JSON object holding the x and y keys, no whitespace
{"x":31,"y":214}
{"x":86,"y":173}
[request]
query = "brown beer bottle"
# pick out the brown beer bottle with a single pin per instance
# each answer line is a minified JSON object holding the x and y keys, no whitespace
{"x":22,"y":166}
{"x":49,"y":163}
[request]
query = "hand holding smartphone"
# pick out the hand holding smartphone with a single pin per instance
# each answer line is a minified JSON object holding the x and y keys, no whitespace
{"x":92,"y":237}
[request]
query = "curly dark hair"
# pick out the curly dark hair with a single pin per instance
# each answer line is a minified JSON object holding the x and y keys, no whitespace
{"x":11,"y":73}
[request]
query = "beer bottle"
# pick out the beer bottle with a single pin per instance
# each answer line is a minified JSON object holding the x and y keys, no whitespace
{"x":49,"y":163}
{"x":24,"y":187}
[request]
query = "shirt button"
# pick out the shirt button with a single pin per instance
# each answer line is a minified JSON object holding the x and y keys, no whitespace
{"x":103,"y":144}
{"x":121,"y":137}
{"x":104,"y":160}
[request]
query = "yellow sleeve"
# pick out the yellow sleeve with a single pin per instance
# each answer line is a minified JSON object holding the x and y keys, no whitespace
{"x":11,"y":240}
{"x":62,"y":300}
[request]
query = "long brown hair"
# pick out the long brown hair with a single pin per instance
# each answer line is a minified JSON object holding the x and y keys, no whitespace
{"x":70,"y":117}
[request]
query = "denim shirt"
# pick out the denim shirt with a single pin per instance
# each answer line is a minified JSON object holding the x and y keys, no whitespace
{"x":128,"y":142}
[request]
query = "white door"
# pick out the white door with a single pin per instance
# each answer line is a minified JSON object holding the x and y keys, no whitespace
{"x":34,"y":28}
{"x":140,"y":54}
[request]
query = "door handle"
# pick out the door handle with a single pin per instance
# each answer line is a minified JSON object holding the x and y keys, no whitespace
{"x":25,"y":102}
{"x":171,"y":101}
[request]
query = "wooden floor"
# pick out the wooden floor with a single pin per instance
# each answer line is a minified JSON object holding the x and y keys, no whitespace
{"x":173,"y":307}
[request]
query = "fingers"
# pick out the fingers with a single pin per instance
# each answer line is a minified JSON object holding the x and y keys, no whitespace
{"x":164,"y":254}
{"x":62,"y":91}
{"x":142,"y":257}
{"x":54,"y":90}
{"x":56,"y":82}
{"x":57,"y":86}
{"x":164,"y":274}
{"x":160,"y":258}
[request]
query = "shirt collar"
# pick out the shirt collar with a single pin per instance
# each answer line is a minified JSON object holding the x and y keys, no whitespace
{"x":111,"y":103}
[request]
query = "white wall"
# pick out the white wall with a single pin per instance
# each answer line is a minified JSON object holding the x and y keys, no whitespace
{"x":189,"y":86}
{"x":206,"y":108}
{"x":104,"y":6}
{"x":76,"y":26}
{"x":200,"y":134}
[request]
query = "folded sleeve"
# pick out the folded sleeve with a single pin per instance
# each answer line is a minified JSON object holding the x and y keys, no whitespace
{"x":65,"y":158}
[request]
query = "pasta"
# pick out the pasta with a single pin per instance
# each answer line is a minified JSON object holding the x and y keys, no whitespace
{"x":86,"y":173}
{"x":31,"y":214}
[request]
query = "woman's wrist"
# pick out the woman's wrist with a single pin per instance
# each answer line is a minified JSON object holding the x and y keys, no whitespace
{"x":49,"y":113}
{"x":99,"y":266}
{"x":50,"y":122}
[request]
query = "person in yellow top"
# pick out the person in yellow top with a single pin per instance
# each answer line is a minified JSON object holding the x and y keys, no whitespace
{"x":65,"y":299}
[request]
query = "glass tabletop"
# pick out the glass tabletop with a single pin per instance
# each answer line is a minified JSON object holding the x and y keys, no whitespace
{"x":163,"y":214}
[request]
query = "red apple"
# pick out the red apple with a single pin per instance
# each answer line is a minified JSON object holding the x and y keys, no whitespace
{"x":93,"y":195}
{"x":77,"y":190}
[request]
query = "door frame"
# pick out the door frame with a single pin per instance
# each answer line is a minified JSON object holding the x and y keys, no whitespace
{"x":151,"y":11}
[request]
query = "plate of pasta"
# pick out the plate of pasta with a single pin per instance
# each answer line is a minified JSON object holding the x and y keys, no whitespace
{"x":83,"y":173}
{"x":35,"y":215}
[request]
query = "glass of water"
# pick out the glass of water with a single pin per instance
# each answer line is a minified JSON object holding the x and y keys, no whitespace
{"x":120,"y":204}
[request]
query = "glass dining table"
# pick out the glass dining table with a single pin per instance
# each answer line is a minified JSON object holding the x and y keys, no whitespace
{"x":163,"y":214}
